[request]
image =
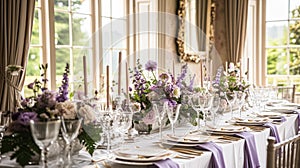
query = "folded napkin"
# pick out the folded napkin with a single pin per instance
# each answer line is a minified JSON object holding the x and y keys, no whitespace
{"x":298,"y":118}
{"x":167,"y":163}
{"x":217,"y":160}
{"x":250,"y":155}
{"x":273,"y":131}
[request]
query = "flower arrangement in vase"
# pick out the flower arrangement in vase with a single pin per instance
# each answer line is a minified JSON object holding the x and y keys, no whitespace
{"x":44,"y":105}
{"x":162,"y":87}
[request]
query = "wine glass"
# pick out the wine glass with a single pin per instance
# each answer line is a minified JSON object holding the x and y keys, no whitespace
{"x":123,"y":117}
{"x":214,"y":108}
{"x":4,"y":121}
{"x":160,"y":112}
{"x":106,"y":119}
{"x":195,"y":103}
{"x":230,"y":98}
{"x":173,"y":113}
{"x":205,"y":104}
{"x":70,"y":130}
{"x":44,"y":134}
{"x":240,"y":100}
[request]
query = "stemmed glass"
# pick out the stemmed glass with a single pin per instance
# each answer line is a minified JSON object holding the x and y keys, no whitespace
{"x":106,"y":119}
{"x":240,"y":100}
{"x":160,"y":112}
{"x":70,"y":130}
{"x":214,"y":108}
{"x":230,"y":97}
{"x":173,"y":113}
{"x":4,"y":121}
{"x":44,"y":134}
{"x":195,"y":103}
{"x":123,"y":118}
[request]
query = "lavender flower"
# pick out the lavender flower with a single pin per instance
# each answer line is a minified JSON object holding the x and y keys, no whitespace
{"x":63,"y":90}
{"x":46,"y":100}
{"x":25,"y":117}
{"x":30,"y":85}
{"x":151,"y":65}
{"x":182,"y":76}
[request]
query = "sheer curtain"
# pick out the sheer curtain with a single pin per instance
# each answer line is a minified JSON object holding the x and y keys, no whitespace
{"x":235,"y":26}
{"x":16,"y":19}
{"x":201,"y":22}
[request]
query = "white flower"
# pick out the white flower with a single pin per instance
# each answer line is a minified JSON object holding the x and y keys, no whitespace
{"x":231,"y":67}
{"x":87,"y":113}
{"x":66,"y":109}
{"x":176,"y":92}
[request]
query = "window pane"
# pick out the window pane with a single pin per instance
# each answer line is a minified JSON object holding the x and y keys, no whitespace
{"x":277,"y":61}
{"x":81,"y":29}
{"x":32,"y":69}
{"x":276,"y":33}
{"x":119,"y":33}
{"x":295,"y":8}
{"x":62,"y":36}
{"x":35,"y":37}
{"x":295,"y":32}
{"x":295,"y":61}
{"x":61,"y":4}
{"x":37,"y":3}
{"x":62,"y":57}
{"x":277,"y":10}
{"x":81,"y":6}
{"x":118,"y":7}
{"x":106,"y":7}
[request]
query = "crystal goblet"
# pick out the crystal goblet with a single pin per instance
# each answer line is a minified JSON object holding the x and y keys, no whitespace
{"x":70,"y":130}
{"x":44,"y":134}
{"x":173,"y":113}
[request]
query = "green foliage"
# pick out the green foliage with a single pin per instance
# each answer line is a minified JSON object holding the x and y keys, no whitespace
{"x":23,"y":152}
{"x":87,"y":140}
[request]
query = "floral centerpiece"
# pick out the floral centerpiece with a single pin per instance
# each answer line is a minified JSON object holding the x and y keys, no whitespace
{"x":42,"y":106}
{"x":163,"y":88}
{"x":229,"y":81}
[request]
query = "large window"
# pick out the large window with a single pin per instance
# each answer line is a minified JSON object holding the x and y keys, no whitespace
{"x":283,"y":41}
{"x":64,"y":30}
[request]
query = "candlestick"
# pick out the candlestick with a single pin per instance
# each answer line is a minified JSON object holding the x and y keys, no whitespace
{"x":241,"y":69}
{"x":120,"y":73}
{"x":211,"y":71}
{"x":85,"y":77}
{"x":201,"y":74}
{"x":127,"y":82}
{"x":174,"y":69}
{"x":107,"y":87}
{"x":248,"y":69}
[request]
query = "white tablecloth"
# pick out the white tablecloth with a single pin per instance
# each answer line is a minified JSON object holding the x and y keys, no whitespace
{"x":233,"y":152}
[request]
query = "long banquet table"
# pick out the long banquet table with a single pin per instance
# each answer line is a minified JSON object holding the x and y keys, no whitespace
{"x":233,"y":151}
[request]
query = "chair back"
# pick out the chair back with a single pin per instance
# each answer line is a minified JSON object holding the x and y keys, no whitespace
{"x":285,"y":154}
{"x":286,"y":92}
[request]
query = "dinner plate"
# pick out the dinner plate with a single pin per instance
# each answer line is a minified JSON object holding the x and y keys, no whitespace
{"x":127,"y":162}
{"x":124,"y":156}
{"x":172,"y":143}
{"x":227,"y":130}
{"x":189,"y":139}
{"x":270,"y":114}
{"x":251,"y":121}
{"x":282,"y":109}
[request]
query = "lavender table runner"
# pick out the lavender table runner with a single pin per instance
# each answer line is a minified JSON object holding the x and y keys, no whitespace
{"x":250,"y":156}
{"x":217,"y":160}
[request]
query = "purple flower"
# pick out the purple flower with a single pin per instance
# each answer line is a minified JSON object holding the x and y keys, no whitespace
{"x":151,"y":65}
{"x":46,"y":99}
{"x":25,"y":117}
{"x":30,"y":85}
{"x":63,"y":90}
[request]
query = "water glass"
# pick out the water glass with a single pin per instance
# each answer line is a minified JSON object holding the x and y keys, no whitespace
{"x":4,"y":121}
{"x":160,"y":112}
{"x":44,"y":134}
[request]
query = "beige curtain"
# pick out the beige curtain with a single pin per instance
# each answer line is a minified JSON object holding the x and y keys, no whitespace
{"x":16,"y":19}
{"x":201,"y":19}
{"x":235,"y":28}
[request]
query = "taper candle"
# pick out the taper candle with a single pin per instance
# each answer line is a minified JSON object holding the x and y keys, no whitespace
{"x":85,"y":84}
{"x":226,"y":66}
{"x":174,"y":71}
{"x":120,"y":73}
{"x":211,"y":71}
{"x":201,"y":74}
{"x":107,"y":87}
{"x":127,"y":82}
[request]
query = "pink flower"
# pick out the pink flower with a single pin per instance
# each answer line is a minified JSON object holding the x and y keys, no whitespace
{"x":149,"y":118}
